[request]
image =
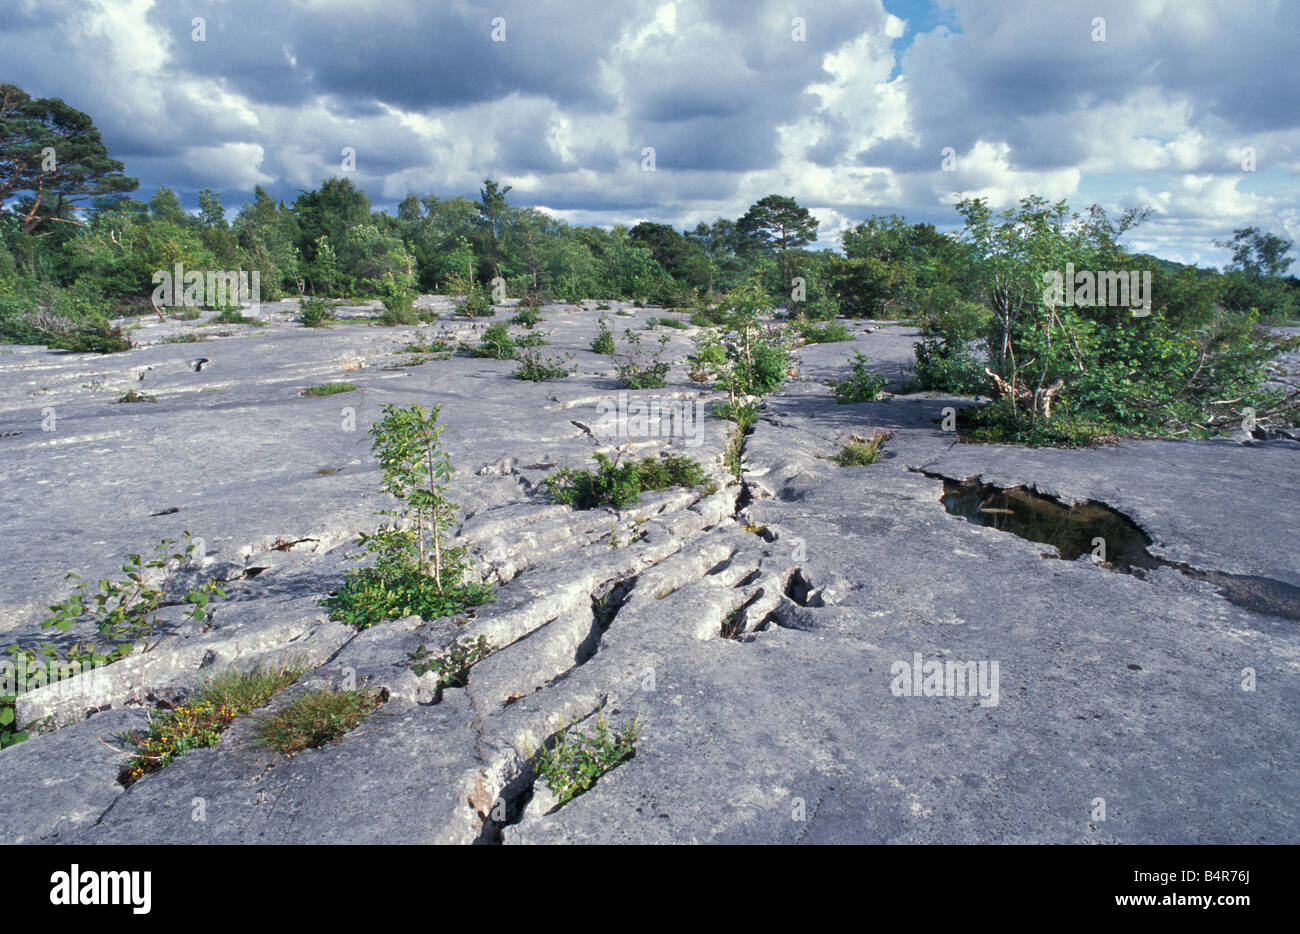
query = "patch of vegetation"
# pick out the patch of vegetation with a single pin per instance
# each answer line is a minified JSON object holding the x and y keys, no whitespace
{"x":315,"y":312}
{"x":829,"y":333}
{"x":416,"y":570}
{"x":639,"y":372}
{"x":231,"y":316}
{"x":675,"y":323}
{"x":199,"y":723}
{"x":497,"y":343}
{"x":328,"y":389}
{"x":859,"y":451}
{"x":435,"y":348}
{"x":476,"y":305}
{"x":861,"y":385}
{"x":183,"y":339}
{"x":1134,"y":347}
{"x":744,"y":415}
{"x":315,"y":718}
{"x":535,"y":370}
{"x":742,"y":355}
{"x":573,"y":761}
{"x":621,"y":485}
{"x":132,"y":396}
{"x":527,"y":316}
{"x":453,"y":663}
{"x":604,"y":341}
{"x":124,"y":611}
{"x":399,"y":300}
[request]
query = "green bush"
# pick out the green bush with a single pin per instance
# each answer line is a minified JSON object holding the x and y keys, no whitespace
{"x":604,"y":341}
{"x":621,"y":485}
{"x":315,"y":312}
{"x":861,"y":385}
{"x":829,"y":333}
{"x":574,"y":761}
{"x":641,"y":373}
{"x":497,"y":343}
{"x":535,"y":370}
{"x":417,"y":571}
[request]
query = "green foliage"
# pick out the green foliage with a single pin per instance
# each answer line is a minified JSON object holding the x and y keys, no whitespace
{"x":453,"y":663}
{"x":675,"y":323}
{"x":315,"y":312}
{"x":526,"y":316}
{"x":744,"y":356}
{"x":124,"y":611}
{"x":859,"y":451}
{"x":1186,"y":367}
{"x":198,"y":724}
{"x":604,"y":341}
{"x":416,"y":571}
{"x":398,"y":299}
{"x":573,"y":761}
{"x":830,"y":333}
{"x":436,"y":348}
{"x":315,"y":718}
{"x":640,"y":372}
{"x":328,"y":389}
{"x":861,"y":385}
{"x":621,"y":485}
{"x":535,"y":370}
{"x":83,"y":168}
{"x":497,"y":343}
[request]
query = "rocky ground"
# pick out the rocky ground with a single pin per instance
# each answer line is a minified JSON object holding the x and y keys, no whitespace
{"x":1119,"y":717}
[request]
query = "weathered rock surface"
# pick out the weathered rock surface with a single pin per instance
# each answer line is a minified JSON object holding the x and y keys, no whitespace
{"x":1109,"y":686}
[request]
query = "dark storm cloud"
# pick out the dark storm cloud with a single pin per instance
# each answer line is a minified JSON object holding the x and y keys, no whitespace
{"x":411,"y":54}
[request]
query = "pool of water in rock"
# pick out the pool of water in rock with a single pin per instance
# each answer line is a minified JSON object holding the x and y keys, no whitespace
{"x":1076,"y":530}
{"x":1073,"y":530}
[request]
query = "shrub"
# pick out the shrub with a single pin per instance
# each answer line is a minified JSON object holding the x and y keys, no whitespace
{"x":315,"y":312}
{"x":535,"y":370}
{"x":574,"y":761}
{"x":497,"y":343}
{"x":125,"y":611}
{"x":315,"y":718}
{"x":621,"y":485}
{"x":861,"y":385}
{"x":416,"y":571}
{"x":398,"y":299}
{"x":527,"y":316}
{"x":829,"y":333}
{"x":638,"y":373}
{"x":476,"y":305}
{"x":743,"y":356}
{"x":132,"y":396}
{"x":604,"y":342}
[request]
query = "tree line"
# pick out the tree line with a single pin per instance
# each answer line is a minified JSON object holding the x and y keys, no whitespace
{"x":77,"y":249}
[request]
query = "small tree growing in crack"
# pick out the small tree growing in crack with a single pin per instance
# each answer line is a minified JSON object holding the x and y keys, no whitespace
{"x":415,"y":570}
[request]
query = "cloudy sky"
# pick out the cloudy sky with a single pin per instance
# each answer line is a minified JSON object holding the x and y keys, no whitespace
{"x":848,"y":105}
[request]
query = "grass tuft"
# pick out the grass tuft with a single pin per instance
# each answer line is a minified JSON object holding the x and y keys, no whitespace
{"x":313,"y":719}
